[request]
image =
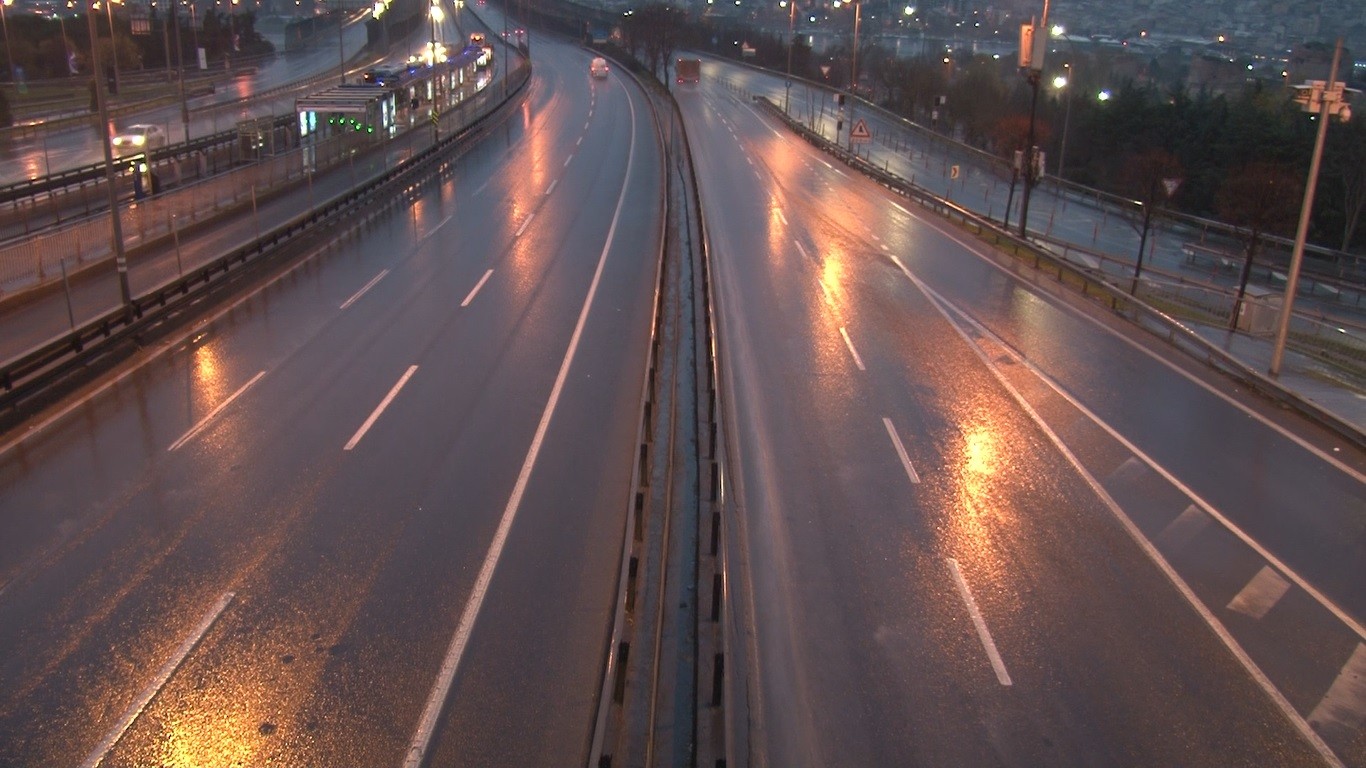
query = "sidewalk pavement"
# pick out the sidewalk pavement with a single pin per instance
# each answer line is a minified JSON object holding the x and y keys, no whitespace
{"x":1300,"y":374}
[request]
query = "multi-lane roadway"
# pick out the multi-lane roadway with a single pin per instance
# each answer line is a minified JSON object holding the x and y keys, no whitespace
{"x":975,"y":524}
{"x":371,"y":512}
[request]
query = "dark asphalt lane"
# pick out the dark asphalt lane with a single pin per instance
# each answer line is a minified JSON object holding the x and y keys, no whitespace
{"x":865,"y":648}
{"x":260,"y":594}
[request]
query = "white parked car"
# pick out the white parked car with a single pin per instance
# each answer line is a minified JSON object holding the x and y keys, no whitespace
{"x":139,"y":138}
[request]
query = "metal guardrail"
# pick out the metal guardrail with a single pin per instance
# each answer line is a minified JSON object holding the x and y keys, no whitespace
{"x":29,"y":372}
{"x":19,"y":191}
{"x":1088,"y":282}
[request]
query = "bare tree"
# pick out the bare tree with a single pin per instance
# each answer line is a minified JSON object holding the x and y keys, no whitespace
{"x":1145,"y":177}
{"x":1263,"y":198}
{"x":1345,"y":162}
{"x":652,"y":34}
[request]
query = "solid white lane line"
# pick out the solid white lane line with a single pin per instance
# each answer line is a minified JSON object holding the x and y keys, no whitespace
{"x":477,"y":286}
{"x":364,"y":288}
{"x":850,"y":344}
{"x":825,"y":292}
{"x":900,"y":450}
{"x":439,"y":225}
{"x":1255,"y":672}
{"x":781,"y":217}
{"x":204,"y":422}
{"x":800,"y":248}
{"x":1284,"y":432}
{"x":164,"y":674}
{"x":450,"y":664}
{"x":374,"y":415}
{"x":1261,"y":594}
{"x":1344,"y":705}
{"x":1183,"y":529}
{"x":977,"y":621}
{"x":1190,"y":493}
{"x":525,"y":224}
{"x":551,"y":188}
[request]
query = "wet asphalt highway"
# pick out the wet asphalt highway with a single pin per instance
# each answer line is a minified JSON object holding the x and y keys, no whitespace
{"x":975,"y":525}
{"x":409,"y":454}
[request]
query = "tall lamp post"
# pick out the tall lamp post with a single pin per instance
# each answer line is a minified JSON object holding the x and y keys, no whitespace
{"x":66,"y":42}
{"x":437,"y":15}
{"x":9,"y":52}
{"x":115,"y":227}
{"x":341,"y":41}
{"x":1327,"y":99}
{"x":853,"y":71}
{"x":791,"y":27}
{"x":180,"y":70}
{"x":1033,"y":43}
{"x":113,"y":41}
{"x":1060,"y":82}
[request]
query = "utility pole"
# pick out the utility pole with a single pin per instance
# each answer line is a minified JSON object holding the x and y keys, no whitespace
{"x":1327,"y":100}
{"x":791,"y":27}
{"x":853,"y":72}
{"x":115,"y":227}
{"x":1033,"y":44}
{"x":180,"y":72}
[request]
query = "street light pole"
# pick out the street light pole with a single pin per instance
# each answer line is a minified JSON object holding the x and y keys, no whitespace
{"x":1330,"y":102}
{"x":115,"y":227}
{"x":341,"y":42}
{"x":436,"y":16}
{"x":1033,"y":72}
{"x":66,"y":43}
{"x":791,"y":27}
{"x":9,"y":53}
{"x":1067,"y":113}
{"x":113,"y":41}
{"x":853,"y":72}
{"x":194,"y":32}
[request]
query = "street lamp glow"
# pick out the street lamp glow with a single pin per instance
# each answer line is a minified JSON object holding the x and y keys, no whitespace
{"x":1060,"y":82}
{"x":1104,"y":95}
{"x":438,"y":15}
{"x":1058,"y":30}
{"x":909,"y":10}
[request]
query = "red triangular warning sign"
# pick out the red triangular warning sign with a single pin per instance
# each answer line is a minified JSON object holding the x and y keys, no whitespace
{"x":860,"y":130}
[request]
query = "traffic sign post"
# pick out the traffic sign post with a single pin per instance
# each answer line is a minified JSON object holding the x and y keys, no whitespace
{"x":860,"y":134}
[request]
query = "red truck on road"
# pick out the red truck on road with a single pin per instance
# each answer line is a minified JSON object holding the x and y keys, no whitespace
{"x":688,"y":70}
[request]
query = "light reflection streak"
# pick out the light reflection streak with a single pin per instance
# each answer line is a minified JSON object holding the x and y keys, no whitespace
{"x":207,"y":378}
{"x":984,"y":504}
{"x":207,"y":734}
